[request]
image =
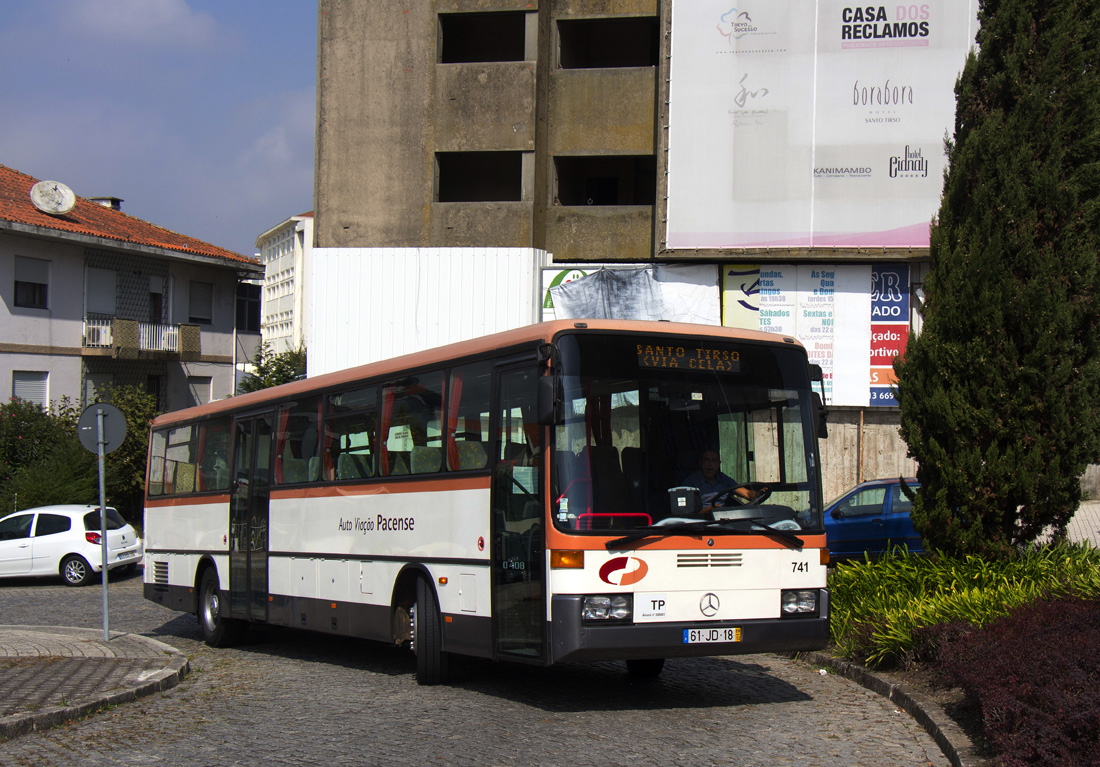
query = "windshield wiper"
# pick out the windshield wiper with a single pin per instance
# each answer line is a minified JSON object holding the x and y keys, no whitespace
{"x":717,"y":526}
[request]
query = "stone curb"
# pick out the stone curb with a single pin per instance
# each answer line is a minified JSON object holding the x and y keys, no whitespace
{"x":953,"y":742}
{"x":173,"y":672}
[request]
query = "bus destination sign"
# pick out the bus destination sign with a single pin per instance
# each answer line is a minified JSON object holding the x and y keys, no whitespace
{"x":689,"y":358}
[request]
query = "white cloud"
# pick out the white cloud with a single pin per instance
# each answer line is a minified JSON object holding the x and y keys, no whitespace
{"x":146,"y":23}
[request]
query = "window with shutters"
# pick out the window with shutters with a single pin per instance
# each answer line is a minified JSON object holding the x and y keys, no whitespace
{"x":32,"y":282}
{"x":200,"y":302}
{"x":31,"y":386}
{"x":101,"y":291}
{"x":199,"y":389}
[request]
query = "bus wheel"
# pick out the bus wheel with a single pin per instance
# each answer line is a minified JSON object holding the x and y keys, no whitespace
{"x":432,"y":664}
{"x":645,"y":668}
{"x":217,"y":630}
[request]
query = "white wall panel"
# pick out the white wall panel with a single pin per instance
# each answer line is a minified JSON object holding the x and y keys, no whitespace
{"x":369,"y":304}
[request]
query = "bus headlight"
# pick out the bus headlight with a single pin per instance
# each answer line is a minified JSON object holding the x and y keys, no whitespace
{"x":798,"y":602}
{"x":618,"y":607}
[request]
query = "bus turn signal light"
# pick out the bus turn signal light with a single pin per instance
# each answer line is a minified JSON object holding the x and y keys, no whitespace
{"x":824,"y":556}
{"x":566,"y":559}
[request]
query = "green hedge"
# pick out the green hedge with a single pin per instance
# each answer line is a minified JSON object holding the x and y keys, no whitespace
{"x":880,"y":608}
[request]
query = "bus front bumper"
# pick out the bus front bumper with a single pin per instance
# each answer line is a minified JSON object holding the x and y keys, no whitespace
{"x":575,"y":640}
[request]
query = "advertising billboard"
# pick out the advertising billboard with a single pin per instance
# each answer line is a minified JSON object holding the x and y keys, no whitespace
{"x":853,"y":319}
{"x":810,"y":123}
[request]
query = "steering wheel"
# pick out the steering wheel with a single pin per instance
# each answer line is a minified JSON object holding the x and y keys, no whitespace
{"x":730,"y":495}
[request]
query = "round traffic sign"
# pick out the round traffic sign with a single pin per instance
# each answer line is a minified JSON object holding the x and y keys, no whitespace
{"x":114,"y":427}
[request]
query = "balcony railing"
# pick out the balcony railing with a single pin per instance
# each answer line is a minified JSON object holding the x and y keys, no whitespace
{"x":98,"y":334}
{"x":164,"y":338}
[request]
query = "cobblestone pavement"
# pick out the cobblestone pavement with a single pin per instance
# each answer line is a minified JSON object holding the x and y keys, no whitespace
{"x":42,"y":669}
{"x":294,"y":698}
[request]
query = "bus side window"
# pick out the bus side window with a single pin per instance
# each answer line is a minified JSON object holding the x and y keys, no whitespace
{"x":179,"y":461}
{"x":296,"y":458}
{"x":350,"y":434}
{"x":157,"y":446}
{"x":412,"y":411}
{"x":214,"y":454}
{"x":467,"y":416}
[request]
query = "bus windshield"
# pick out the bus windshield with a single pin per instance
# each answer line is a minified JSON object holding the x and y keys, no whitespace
{"x":673,"y":431}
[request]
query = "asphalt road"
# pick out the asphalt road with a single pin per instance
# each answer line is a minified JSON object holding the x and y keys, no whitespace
{"x":294,"y":698}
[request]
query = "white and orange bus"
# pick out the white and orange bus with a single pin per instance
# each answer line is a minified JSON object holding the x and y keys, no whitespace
{"x":525,"y":496}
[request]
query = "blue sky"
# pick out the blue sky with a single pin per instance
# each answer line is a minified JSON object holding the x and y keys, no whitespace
{"x":199,"y":114}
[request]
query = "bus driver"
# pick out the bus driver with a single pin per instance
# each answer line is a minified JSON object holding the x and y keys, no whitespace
{"x":712,"y":482}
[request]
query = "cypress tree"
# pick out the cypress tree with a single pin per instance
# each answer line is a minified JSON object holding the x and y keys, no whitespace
{"x":1000,"y":393}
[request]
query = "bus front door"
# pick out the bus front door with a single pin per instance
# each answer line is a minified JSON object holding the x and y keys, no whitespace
{"x":248,"y":517}
{"x":519,"y":589}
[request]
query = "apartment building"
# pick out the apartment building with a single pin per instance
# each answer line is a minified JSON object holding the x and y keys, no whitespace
{"x":90,"y":296}
{"x":284,"y":251}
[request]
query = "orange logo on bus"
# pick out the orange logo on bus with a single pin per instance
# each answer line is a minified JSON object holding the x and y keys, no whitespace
{"x":623,"y":571}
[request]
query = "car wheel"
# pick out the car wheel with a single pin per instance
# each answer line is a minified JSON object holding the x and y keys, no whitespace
{"x":432,"y":664}
{"x":217,"y":630}
{"x":645,"y":668}
{"x":75,"y":570}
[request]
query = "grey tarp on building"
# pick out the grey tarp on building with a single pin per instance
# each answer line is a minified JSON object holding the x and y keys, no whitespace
{"x":678,"y":293}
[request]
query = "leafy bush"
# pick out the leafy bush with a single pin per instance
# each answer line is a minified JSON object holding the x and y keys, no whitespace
{"x":66,"y":474}
{"x":880,"y":609}
{"x":28,"y":432}
{"x":1035,"y":677}
{"x":42,"y":461}
{"x":274,"y":369}
{"x":125,"y":467}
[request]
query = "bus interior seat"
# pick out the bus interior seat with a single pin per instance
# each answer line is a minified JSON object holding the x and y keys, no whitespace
{"x":185,"y":478}
{"x":532,"y":545}
{"x":294,"y":470}
{"x":216,"y":478}
{"x":471,"y":455}
{"x":399,"y":464}
{"x":353,"y":466}
{"x":517,"y":453}
{"x":633,"y":462}
{"x":314,"y":469}
{"x":633,"y":465}
{"x":221,"y":478}
{"x":425,"y":459}
{"x":572,"y":477}
{"x":609,"y":488}
{"x":513,"y":544}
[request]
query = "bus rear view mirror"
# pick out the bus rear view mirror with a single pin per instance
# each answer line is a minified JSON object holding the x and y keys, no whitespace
{"x":822,"y":416}
{"x":549,"y":400}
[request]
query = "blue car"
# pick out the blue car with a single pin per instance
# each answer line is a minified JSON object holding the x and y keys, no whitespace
{"x":872,"y":517}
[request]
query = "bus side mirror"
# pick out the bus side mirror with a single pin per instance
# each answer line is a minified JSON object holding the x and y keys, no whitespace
{"x":817,"y":375}
{"x":822,"y":416}
{"x":549,"y":400}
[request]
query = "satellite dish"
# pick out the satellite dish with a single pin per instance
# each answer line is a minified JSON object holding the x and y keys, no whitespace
{"x":53,"y":197}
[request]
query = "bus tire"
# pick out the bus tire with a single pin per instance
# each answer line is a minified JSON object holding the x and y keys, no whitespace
{"x":217,"y":630}
{"x":645,"y":668}
{"x":432,"y":664}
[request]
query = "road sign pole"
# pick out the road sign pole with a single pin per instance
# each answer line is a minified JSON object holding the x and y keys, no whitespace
{"x":101,"y":441}
{"x":101,"y":429}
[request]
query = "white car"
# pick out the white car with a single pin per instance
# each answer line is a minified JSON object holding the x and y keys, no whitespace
{"x":65,"y":540}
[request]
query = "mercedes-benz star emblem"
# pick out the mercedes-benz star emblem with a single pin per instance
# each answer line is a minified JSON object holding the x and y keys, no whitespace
{"x":708,"y":605}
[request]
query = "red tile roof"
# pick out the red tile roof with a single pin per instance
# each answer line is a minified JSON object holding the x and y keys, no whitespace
{"x":95,"y":220}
